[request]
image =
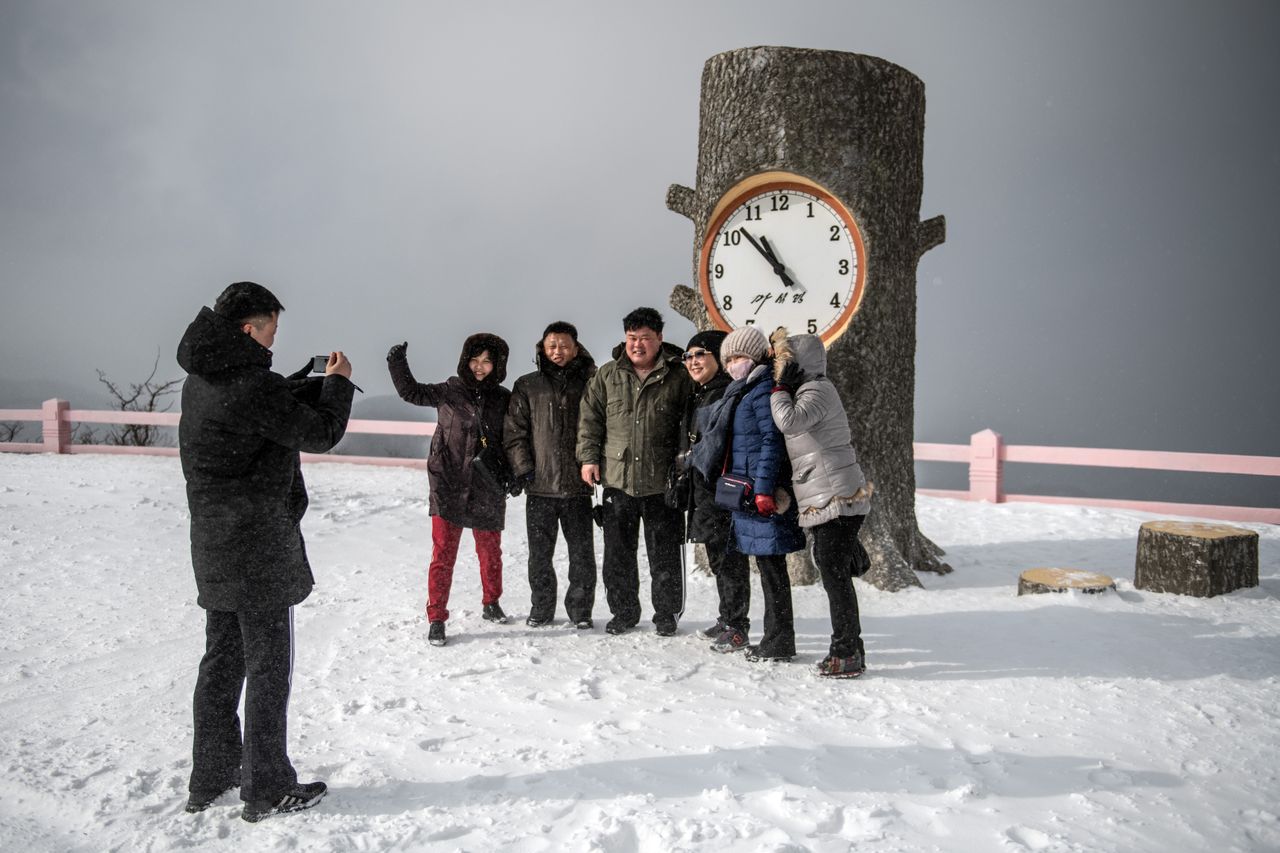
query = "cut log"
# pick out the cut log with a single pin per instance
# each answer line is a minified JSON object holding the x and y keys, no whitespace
{"x":1195,"y":558}
{"x":1035,"y":581}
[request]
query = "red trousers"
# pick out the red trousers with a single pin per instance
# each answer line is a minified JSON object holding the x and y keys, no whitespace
{"x":444,"y":552}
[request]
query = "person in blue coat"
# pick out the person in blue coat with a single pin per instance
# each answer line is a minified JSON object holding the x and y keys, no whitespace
{"x":768,"y":527}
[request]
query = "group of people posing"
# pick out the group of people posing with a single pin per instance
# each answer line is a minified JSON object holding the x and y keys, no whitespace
{"x":737,"y":442}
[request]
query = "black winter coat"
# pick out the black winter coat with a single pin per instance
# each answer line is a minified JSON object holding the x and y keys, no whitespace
{"x":241,"y":429}
{"x":707,"y":522}
{"x":541,"y":430}
{"x":464,"y":406}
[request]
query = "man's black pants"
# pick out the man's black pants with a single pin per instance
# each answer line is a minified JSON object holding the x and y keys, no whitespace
{"x":543,"y":516}
{"x":663,"y":539}
{"x":836,"y":551}
{"x":253,"y":648}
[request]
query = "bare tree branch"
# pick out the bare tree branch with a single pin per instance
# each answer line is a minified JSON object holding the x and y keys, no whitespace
{"x":144,"y":396}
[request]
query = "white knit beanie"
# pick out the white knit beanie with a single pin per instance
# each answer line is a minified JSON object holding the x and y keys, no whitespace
{"x":748,"y":341}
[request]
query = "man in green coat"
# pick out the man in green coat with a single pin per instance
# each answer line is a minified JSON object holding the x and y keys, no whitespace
{"x":628,"y":436}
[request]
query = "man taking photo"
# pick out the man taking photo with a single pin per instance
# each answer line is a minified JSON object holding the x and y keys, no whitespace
{"x":241,"y":430}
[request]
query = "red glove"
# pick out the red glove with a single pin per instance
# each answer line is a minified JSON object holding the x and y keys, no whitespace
{"x":765,"y":505}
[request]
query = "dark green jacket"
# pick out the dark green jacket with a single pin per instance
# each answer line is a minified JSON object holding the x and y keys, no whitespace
{"x":542,"y":426}
{"x":631,"y":428}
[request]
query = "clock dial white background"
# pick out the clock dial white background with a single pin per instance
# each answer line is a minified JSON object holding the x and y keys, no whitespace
{"x":798,"y":226}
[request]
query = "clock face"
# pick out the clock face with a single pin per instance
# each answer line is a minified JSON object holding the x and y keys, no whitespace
{"x":782,"y":251}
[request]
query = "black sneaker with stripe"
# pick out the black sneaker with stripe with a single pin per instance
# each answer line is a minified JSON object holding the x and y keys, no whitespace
{"x":303,"y":796}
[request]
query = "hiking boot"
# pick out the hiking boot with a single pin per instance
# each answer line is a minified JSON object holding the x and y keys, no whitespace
{"x":618,"y":625}
{"x":493,"y":613}
{"x":584,"y":624}
{"x":301,"y":796}
{"x":732,"y":640}
{"x":435,"y":634}
{"x":665,"y":626}
{"x":536,"y":621}
{"x":712,"y":632}
{"x":756,"y":656}
{"x":850,"y":667}
{"x":198,"y":801}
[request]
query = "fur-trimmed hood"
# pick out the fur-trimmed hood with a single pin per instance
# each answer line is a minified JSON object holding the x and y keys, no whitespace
{"x":808,"y":351}
{"x":498,"y":352}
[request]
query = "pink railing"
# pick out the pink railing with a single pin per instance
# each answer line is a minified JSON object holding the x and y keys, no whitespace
{"x":57,"y":416}
{"x":986,"y":454}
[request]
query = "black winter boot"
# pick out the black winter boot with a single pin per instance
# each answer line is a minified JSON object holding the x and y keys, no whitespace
{"x":435,"y":634}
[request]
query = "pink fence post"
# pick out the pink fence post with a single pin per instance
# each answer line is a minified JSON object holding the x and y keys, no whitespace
{"x":56,"y":427}
{"x":986,"y":466}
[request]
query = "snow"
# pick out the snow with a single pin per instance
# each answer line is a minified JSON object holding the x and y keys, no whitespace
{"x":987,"y":721}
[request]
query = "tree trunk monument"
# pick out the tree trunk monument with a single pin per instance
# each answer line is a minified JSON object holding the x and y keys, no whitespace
{"x":848,"y":131}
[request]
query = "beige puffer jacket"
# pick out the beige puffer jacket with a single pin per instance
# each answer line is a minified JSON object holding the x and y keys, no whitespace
{"x":825,"y":472}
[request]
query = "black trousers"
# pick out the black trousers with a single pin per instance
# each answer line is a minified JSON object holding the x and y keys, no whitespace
{"x":733,"y":582}
{"x":253,"y":648}
{"x":836,"y":551}
{"x":779,"y":638}
{"x":543,"y":517}
{"x":663,"y":539}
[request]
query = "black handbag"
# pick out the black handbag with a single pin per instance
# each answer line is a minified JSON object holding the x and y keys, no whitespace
{"x":492,"y":466}
{"x":491,"y":463}
{"x":734,"y":492}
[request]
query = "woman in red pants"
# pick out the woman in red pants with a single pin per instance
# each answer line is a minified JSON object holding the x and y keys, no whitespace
{"x":471,"y":408}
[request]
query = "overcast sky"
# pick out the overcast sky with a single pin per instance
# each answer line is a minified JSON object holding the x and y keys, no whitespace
{"x":1110,"y":174}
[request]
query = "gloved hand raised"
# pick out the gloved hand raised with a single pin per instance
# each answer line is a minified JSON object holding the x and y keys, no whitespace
{"x":791,"y":378}
{"x":397,"y":352}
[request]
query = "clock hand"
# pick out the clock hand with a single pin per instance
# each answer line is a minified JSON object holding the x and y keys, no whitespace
{"x":778,"y":266}
{"x":769,"y":256}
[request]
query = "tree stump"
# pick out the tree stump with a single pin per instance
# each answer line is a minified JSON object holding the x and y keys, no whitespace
{"x":1195,"y":558}
{"x":1035,"y":581}
{"x":854,"y":124}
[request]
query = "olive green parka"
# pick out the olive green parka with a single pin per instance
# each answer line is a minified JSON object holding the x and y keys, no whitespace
{"x":631,"y":427}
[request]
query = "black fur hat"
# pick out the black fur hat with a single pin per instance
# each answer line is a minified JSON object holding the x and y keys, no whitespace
{"x":498,"y":352}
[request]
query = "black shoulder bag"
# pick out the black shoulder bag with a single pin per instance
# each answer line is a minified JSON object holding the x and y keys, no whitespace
{"x":491,"y":463}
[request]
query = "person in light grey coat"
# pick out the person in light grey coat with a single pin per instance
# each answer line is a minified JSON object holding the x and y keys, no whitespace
{"x":832,"y":492}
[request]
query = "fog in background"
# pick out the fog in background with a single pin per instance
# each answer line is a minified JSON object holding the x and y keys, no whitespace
{"x":418,"y":171}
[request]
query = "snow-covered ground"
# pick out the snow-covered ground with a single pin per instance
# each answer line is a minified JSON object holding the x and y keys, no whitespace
{"x":1120,"y":722}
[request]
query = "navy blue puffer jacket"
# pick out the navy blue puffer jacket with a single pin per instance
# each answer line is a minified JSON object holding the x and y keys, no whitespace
{"x":758,"y":451}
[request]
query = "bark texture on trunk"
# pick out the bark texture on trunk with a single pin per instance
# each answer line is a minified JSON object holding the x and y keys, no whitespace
{"x":854,"y":124}
{"x":1194,"y":558}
